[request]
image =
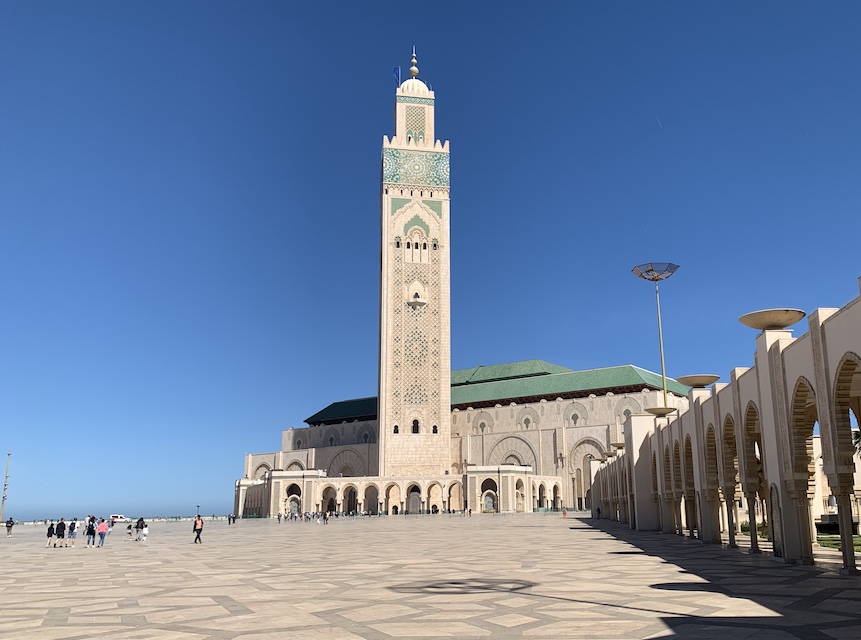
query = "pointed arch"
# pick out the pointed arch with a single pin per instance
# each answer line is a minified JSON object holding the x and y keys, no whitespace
{"x":513,"y":446}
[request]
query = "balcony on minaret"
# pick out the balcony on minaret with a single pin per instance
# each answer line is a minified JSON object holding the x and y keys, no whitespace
{"x":416,"y":301}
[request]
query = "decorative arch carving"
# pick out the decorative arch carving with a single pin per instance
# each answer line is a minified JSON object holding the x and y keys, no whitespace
{"x":482,"y":417}
{"x":752,"y":439}
{"x":729,"y":446}
{"x":581,"y":449}
{"x":516,"y":446}
{"x":803,"y":415}
{"x":348,"y":459}
{"x":368,"y":430}
{"x":334,"y":434}
{"x":295,"y":465}
{"x":626,"y":403}
{"x":579,"y":409}
{"x":711,"y":461}
{"x":261,"y":470}
{"x":846,"y":377}
{"x":527,"y":412}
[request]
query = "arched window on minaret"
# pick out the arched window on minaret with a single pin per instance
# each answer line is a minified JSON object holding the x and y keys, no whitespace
{"x":417,"y":248}
{"x":415,"y":426}
{"x":395,"y":430}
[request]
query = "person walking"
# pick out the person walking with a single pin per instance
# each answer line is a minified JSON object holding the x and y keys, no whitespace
{"x":73,"y":532}
{"x":198,"y":529}
{"x":102,"y":530}
{"x":61,"y":533}
{"x":144,"y":532}
{"x":91,"y":532}
{"x":139,"y":525}
{"x":50,"y":534}
{"x":9,"y":524}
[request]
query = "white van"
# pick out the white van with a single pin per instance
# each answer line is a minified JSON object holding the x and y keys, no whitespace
{"x":118,"y":517}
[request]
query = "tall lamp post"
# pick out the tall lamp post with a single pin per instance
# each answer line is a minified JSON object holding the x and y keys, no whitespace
{"x":655,"y":272}
{"x":5,"y":484}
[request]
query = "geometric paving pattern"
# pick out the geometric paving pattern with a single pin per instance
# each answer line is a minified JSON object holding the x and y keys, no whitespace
{"x":517,"y":576}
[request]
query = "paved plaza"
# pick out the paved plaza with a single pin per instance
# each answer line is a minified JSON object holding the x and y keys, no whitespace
{"x":518,"y":576}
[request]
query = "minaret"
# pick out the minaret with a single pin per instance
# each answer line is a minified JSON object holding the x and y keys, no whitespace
{"x":414,"y":405}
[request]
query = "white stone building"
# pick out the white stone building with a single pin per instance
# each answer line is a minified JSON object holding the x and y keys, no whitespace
{"x":513,"y":437}
{"x":777,"y":440}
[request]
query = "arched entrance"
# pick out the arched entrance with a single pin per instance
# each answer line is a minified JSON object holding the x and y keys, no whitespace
{"x":691,"y":515}
{"x":753,"y":483}
{"x":730,"y":479}
{"x":329,"y":502}
{"x":393,"y":499}
{"x":414,"y":499}
{"x":847,"y":405}
{"x":455,"y":497}
{"x":294,"y":499}
{"x":712,"y":486}
{"x":802,"y":486}
{"x":489,"y":496}
{"x":372,"y":499}
{"x":351,"y":500}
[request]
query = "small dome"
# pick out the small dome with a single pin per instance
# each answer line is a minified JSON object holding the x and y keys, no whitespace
{"x":415,"y":87}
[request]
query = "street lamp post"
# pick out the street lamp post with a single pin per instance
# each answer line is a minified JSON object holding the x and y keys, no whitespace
{"x":655,"y":272}
{"x":5,"y":485}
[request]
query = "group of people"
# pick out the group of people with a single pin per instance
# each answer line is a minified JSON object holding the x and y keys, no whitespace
{"x":321,"y":517}
{"x":139,"y":531}
{"x":64,"y":534}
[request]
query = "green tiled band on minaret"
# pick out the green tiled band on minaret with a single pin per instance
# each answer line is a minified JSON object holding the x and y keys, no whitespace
{"x":420,"y":168}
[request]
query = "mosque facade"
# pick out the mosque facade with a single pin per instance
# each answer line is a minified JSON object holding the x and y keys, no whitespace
{"x":513,"y":437}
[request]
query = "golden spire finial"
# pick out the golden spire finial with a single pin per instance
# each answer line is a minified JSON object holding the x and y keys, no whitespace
{"x":414,"y":70}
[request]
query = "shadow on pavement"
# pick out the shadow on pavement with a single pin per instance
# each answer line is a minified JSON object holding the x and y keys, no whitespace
{"x":808,"y":602}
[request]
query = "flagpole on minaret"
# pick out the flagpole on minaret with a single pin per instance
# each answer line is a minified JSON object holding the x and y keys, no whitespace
{"x":5,"y":484}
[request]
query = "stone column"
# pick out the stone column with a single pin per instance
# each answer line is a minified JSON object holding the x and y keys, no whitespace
{"x":844,"y":516}
{"x":751,"y":513}
{"x":797,"y":490}
{"x":690,"y":514}
{"x":729,"y":496}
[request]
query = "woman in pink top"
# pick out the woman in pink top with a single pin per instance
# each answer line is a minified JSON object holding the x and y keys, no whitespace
{"x":102,"y":529}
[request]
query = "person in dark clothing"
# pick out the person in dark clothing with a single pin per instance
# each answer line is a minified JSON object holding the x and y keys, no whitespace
{"x":50,"y":534}
{"x":61,"y":532}
{"x":91,"y":532}
{"x":139,"y":525}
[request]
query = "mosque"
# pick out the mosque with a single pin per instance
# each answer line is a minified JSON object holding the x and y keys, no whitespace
{"x":511,"y":437}
{"x":773,"y":446}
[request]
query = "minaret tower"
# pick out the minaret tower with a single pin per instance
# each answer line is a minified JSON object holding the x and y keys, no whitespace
{"x":415,"y":338}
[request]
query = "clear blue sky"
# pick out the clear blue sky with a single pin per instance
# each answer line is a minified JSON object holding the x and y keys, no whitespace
{"x":189,"y":197}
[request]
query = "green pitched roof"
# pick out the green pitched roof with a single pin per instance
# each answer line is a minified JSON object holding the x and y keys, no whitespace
{"x":570,"y":384}
{"x":359,"y":409}
{"x":522,"y":369}
{"x":525,"y":381}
